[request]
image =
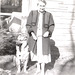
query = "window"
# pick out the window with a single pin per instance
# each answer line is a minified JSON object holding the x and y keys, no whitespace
{"x":8,"y":6}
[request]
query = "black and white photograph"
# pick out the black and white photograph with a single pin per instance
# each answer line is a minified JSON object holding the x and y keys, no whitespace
{"x":37,"y":37}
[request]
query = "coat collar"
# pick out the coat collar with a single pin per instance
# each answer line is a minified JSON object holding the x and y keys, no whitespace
{"x":42,"y":12}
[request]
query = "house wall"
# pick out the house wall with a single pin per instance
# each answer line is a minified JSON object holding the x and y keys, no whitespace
{"x":63,"y":12}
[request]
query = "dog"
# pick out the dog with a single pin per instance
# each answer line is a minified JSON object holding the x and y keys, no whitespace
{"x":22,"y":53}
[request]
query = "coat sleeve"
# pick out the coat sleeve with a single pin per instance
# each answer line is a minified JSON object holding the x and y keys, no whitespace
{"x":51,"y":25}
{"x":28,"y":25}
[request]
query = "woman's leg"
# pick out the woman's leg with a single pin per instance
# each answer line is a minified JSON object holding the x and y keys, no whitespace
{"x":38,"y":67}
{"x":42,"y":68}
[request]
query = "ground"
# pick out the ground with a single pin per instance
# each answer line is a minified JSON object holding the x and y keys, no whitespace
{"x":7,"y":64}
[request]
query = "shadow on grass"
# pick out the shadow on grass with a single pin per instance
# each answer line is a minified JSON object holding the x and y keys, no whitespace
{"x":54,"y":55}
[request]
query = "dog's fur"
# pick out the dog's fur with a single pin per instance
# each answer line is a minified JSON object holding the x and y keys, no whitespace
{"x":21,"y":54}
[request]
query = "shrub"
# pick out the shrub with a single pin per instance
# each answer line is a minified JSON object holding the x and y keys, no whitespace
{"x":7,"y":43}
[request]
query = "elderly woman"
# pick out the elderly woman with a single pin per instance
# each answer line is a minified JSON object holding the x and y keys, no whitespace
{"x":40,"y":26}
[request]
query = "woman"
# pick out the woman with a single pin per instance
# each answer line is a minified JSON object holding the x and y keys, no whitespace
{"x":40,"y":26}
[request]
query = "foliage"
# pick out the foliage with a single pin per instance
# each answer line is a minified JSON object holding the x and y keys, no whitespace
{"x":7,"y":45}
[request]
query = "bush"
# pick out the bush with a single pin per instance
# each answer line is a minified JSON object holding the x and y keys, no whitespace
{"x":7,"y":43}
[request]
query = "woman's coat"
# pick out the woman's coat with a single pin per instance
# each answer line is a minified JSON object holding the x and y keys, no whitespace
{"x":48,"y":25}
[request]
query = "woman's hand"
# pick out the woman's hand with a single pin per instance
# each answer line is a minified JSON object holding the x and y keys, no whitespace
{"x":46,"y":34}
{"x":34,"y":36}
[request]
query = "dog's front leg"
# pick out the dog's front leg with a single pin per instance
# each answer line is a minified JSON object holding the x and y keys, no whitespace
{"x":18,"y":60}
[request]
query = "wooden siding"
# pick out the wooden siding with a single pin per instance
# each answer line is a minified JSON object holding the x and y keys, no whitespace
{"x":64,"y":33}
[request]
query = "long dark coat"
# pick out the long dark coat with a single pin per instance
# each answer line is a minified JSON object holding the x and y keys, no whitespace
{"x":48,"y":25}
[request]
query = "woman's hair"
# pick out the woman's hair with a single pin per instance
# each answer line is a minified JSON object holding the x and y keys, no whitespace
{"x":43,"y":1}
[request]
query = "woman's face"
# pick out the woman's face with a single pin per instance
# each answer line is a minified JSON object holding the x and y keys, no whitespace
{"x":41,"y":6}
